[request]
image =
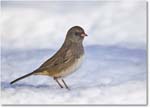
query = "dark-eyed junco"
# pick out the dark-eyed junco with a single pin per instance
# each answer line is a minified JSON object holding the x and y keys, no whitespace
{"x":66,"y":60}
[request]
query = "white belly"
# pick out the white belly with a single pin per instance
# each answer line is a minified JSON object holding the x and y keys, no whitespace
{"x":72,"y":68}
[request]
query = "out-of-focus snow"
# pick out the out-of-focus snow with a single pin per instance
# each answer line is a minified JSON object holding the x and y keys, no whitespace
{"x":26,"y":24}
{"x":114,"y":69}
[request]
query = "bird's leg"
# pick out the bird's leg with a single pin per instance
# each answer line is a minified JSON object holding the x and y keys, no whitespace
{"x":58,"y":82}
{"x":65,"y":84}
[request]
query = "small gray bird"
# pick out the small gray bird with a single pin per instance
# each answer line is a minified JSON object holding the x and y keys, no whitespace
{"x":66,"y":60}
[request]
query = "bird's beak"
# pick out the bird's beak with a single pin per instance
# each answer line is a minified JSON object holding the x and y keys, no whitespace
{"x":84,"y":35}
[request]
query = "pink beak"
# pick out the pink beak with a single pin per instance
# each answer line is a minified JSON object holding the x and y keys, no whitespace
{"x":84,"y":35}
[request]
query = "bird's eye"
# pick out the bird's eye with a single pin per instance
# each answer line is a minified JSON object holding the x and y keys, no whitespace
{"x":77,"y":33}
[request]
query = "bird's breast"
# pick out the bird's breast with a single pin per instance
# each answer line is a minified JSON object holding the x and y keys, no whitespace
{"x":77,"y":63}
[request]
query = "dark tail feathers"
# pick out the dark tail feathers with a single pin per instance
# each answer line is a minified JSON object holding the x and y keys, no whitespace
{"x":22,"y":77}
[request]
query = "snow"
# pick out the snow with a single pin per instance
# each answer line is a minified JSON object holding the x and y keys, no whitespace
{"x":114,"y":70}
{"x":105,"y":73}
{"x":131,"y":93}
{"x":26,"y":24}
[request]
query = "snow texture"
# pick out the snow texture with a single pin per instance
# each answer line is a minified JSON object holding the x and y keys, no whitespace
{"x":114,"y":70}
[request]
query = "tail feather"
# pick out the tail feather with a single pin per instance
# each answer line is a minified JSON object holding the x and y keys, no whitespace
{"x":20,"y":78}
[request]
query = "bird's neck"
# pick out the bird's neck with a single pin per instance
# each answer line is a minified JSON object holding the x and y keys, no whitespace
{"x":70,"y":43}
{"x":76,"y":48}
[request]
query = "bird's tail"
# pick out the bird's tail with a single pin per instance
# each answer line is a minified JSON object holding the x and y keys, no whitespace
{"x":20,"y":78}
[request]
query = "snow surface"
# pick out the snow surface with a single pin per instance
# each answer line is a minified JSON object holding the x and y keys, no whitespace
{"x":114,"y":70}
{"x":109,"y":75}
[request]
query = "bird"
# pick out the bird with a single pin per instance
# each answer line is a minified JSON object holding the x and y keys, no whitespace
{"x":65,"y":61}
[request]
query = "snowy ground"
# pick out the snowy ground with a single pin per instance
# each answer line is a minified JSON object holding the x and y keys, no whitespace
{"x":114,"y":69}
{"x":114,"y":72}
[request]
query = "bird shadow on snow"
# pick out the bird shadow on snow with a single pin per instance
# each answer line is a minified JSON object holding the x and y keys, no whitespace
{"x":5,"y":85}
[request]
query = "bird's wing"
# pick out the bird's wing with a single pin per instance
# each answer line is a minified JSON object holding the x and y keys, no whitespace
{"x":61,"y":60}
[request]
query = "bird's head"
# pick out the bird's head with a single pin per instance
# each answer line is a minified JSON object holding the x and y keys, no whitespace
{"x":76,"y":34}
